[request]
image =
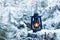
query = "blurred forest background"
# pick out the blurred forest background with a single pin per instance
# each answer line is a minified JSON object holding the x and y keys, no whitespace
{"x":15,"y":16}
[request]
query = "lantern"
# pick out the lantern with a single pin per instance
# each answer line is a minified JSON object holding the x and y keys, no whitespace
{"x":36,"y":23}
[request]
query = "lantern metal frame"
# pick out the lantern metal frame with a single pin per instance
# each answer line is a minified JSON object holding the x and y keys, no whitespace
{"x":40,"y":22}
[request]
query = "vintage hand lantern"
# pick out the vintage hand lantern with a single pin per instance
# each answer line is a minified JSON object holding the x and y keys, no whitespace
{"x":36,"y":23}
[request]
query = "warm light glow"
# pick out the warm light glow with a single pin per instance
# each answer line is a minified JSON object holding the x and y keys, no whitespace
{"x":36,"y":25}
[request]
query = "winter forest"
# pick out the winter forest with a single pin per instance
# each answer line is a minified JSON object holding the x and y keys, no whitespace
{"x":15,"y":19}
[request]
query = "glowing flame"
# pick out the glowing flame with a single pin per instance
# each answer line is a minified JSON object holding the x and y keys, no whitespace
{"x":36,"y":25}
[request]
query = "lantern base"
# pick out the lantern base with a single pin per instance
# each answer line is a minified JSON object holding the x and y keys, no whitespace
{"x":36,"y":30}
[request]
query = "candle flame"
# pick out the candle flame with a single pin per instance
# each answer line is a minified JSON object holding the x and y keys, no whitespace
{"x":36,"y":25}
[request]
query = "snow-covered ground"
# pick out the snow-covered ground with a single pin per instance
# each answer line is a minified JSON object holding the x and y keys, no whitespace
{"x":15,"y":16}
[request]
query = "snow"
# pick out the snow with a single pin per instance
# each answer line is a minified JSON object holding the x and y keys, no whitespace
{"x":15,"y":19}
